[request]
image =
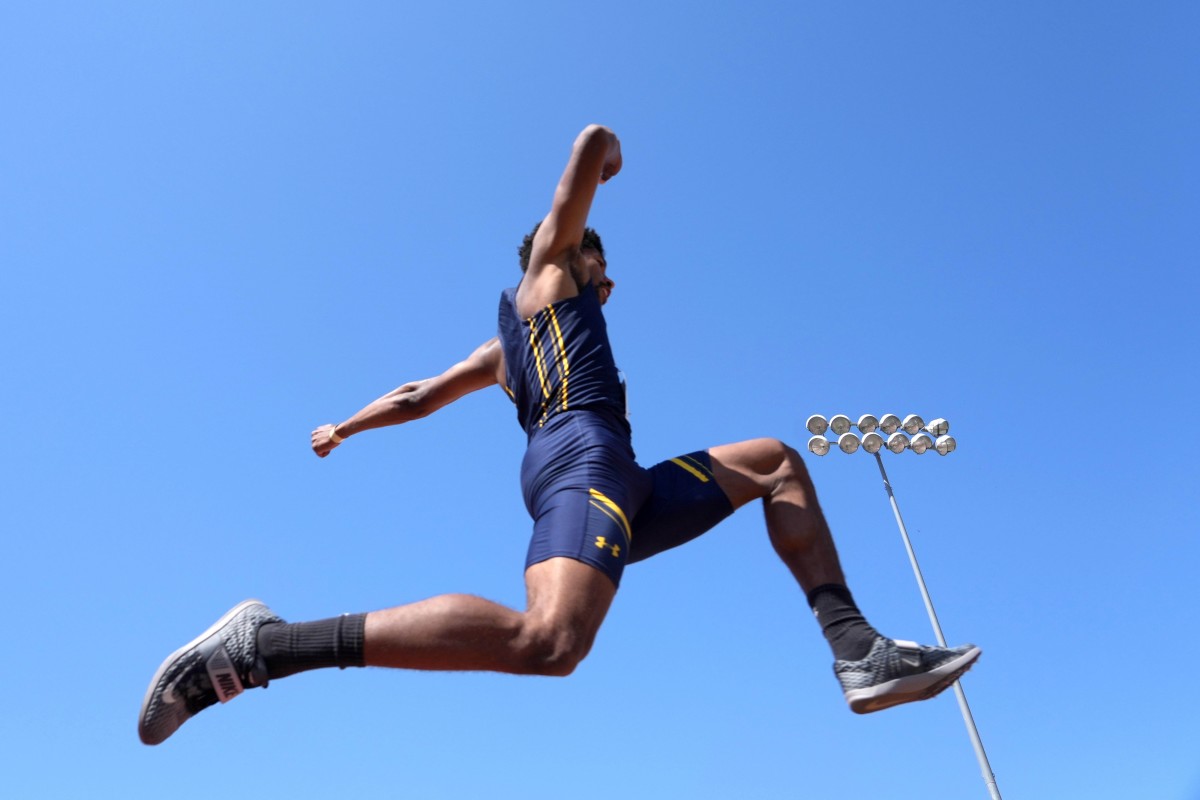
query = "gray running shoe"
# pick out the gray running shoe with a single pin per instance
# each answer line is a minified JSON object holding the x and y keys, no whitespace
{"x":896,"y":672}
{"x":219,"y":664}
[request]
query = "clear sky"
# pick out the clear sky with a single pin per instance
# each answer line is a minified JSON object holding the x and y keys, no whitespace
{"x":223,"y":224}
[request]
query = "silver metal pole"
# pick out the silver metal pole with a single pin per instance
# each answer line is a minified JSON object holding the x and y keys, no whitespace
{"x":988,"y":777}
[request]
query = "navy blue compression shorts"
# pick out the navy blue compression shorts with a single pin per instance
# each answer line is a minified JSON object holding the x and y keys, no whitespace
{"x":592,"y":502}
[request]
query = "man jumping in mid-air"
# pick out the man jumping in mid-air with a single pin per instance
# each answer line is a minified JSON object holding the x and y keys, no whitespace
{"x":594,"y":509}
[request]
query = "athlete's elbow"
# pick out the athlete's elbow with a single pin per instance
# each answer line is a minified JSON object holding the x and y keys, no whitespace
{"x":597,"y":133}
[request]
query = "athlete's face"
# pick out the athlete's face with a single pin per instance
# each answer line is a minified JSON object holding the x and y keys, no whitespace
{"x":596,"y":270}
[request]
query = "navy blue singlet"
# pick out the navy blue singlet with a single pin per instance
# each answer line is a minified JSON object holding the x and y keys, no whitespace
{"x":559,"y":360}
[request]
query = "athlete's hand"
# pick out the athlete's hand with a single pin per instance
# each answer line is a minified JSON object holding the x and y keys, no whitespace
{"x":322,"y":443}
{"x":612,"y":164}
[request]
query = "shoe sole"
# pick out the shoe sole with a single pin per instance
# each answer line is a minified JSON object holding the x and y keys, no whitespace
{"x":143,"y":732}
{"x":912,"y":688}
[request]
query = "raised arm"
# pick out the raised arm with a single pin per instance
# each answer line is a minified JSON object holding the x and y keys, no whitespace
{"x":595,"y":158}
{"x":484,"y":367}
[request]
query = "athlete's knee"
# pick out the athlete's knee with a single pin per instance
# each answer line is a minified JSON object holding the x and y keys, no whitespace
{"x":783,"y":468}
{"x":551,"y":649}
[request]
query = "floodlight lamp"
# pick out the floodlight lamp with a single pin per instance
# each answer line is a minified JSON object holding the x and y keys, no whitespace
{"x":872,"y":442}
{"x":867,"y":423}
{"x":912,"y":424}
{"x":889,"y":424}
{"x":897,"y":442}
{"x":818,"y":445}
{"x":939,"y":427}
{"x":848,"y":442}
{"x":921,"y":442}
{"x":945,"y":445}
{"x":839,"y":424}
{"x":816,"y":425}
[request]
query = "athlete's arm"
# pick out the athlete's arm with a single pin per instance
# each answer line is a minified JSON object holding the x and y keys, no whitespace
{"x":595,"y":158}
{"x":483,"y":368}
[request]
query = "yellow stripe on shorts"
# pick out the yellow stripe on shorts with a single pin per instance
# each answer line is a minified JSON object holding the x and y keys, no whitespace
{"x":695,"y":470}
{"x":597,"y":495}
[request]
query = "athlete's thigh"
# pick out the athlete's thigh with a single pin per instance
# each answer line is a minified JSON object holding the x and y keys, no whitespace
{"x":588,"y":523}
{"x":583,"y":499}
{"x":685,"y":501}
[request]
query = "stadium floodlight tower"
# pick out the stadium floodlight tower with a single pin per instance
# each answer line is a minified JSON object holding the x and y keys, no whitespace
{"x":911,"y":433}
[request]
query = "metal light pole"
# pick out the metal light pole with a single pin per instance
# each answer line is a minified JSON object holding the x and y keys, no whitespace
{"x":897,"y":442}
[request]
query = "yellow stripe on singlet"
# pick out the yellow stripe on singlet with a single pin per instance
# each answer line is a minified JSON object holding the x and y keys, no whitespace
{"x":598,"y":495}
{"x":692,"y":469}
{"x":541,"y":366}
{"x":564,"y":369}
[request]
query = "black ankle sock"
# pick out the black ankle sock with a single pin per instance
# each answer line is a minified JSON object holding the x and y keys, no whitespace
{"x":848,"y":633}
{"x":289,"y":648}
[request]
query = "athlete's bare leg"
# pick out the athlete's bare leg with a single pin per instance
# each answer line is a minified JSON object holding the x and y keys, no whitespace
{"x":567,"y":601}
{"x":769,"y":469}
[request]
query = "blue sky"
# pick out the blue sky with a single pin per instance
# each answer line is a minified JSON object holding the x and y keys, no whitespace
{"x":226,"y":224}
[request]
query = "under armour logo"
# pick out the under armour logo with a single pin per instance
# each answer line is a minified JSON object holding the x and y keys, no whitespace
{"x":602,"y":543}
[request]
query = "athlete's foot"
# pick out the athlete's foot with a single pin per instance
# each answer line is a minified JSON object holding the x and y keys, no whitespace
{"x":896,"y":672}
{"x":219,"y":664}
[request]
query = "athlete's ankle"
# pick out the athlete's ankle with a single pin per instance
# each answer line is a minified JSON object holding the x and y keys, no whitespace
{"x":288,"y":648}
{"x":849,"y":634}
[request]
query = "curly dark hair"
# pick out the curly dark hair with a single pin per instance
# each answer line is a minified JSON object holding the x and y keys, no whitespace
{"x":591,"y":241}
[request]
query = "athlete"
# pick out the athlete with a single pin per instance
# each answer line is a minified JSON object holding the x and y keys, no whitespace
{"x":594,"y":509}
